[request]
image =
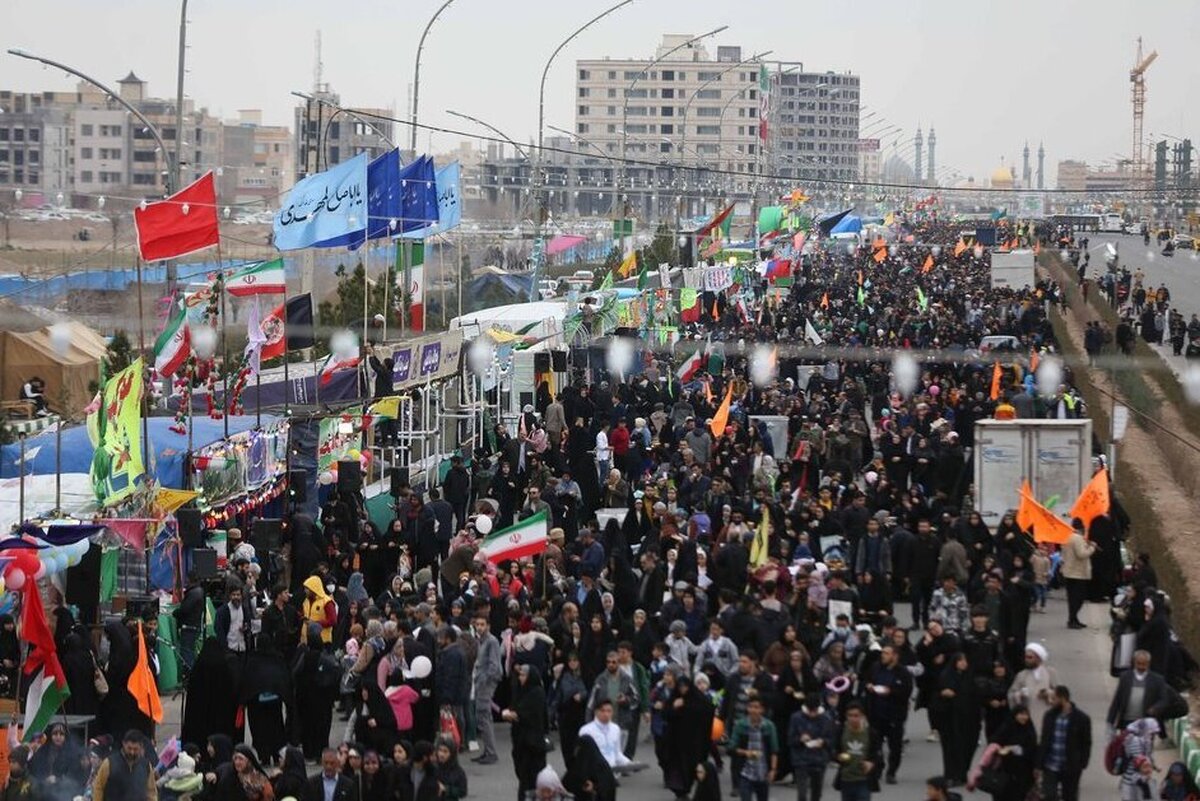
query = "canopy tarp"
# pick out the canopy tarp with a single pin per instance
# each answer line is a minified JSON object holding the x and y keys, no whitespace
{"x":562,"y":243}
{"x":827,"y":223}
{"x":850,"y":224}
{"x":67,"y":373}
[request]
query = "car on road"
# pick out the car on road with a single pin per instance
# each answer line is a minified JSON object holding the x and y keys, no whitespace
{"x":1183,"y":241}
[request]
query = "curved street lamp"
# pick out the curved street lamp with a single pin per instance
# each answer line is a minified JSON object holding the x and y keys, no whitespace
{"x":341,"y":110}
{"x":417,"y":73}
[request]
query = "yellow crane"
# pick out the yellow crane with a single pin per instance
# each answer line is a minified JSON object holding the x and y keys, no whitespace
{"x":1137,"y":77}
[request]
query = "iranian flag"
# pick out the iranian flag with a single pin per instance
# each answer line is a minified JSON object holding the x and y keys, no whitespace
{"x":526,"y":538}
{"x":173,"y":344}
{"x":690,"y":367}
{"x":259,"y":278}
{"x":332,"y":366}
{"x":43,"y":672}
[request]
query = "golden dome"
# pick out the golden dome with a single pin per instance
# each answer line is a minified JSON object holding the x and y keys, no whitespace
{"x":1002,"y":178}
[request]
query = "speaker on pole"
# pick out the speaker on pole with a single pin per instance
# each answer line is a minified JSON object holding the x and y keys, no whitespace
{"x":349,"y":477}
{"x":559,"y":360}
{"x":191,"y":526}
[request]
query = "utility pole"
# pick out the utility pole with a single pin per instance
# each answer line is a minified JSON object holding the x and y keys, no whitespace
{"x":177,"y":167}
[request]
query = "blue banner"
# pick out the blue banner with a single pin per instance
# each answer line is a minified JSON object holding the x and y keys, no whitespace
{"x":383,"y":202}
{"x":324,"y":206}
{"x":449,"y":200}
{"x":418,"y":188}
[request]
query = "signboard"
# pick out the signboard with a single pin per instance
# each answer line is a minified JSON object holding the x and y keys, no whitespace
{"x":429,"y":358}
{"x":1030,"y":206}
{"x":717,"y":279}
{"x":868,"y":145}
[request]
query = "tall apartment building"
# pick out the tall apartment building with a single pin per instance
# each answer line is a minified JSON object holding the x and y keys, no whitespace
{"x":690,"y":124}
{"x":258,"y":160}
{"x":328,"y":134}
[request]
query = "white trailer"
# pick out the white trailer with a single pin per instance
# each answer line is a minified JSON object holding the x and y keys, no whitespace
{"x":1013,"y":270}
{"x":1055,"y":455}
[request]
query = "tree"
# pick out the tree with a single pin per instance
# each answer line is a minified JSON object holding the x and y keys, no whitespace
{"x":119,"y":355}
{"x":661,"y":249}
{"x":347,"y":309}
{"x":613,"y":260}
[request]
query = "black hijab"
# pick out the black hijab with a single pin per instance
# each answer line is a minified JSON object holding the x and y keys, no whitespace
{"x":708,"y":788}
{"x":590,"y":765}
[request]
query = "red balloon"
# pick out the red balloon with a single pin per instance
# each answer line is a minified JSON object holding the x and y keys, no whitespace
{"x":26,"y":560}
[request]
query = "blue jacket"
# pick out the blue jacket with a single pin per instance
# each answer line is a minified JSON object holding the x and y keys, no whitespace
{"x":817,"y":728}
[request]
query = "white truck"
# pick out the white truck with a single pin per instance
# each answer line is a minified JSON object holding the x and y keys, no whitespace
{"x":1055,"y":455}
{"x":1013,"y":270}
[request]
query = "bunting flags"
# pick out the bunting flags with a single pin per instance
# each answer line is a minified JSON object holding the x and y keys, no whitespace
{"x":997,"y":374}
{"x":721,"y":418}
{"x":259,"y":278}
{"x":1094,"y":501}
{"x":141,"y":683}
{"x":168,"y":500}
{"x":185,"y":222}
{"x":116,"y":432}
{"x":1047,"y":526}
{"x":44,"y":673}
{"x":132,"y":531}
{"x":174,"y":344}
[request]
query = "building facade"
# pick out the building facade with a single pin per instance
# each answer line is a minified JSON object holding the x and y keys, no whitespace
{"x":327,"y":134}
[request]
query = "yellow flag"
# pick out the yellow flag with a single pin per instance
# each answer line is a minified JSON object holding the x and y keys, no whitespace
{"x":889,"y":219}
{"x":760,"y":548}
{"x":628,"y":265}
{"x":168,"y":500}
{"x":117,"y":461}
{"x":386,"y":407}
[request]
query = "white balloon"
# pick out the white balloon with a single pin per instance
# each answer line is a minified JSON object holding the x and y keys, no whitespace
{"x":60,"y":338}
{"x":204,"y":341}
{"x":343,"y":344}
{"x":325,"y":479}
{"x":420,"y":667}
{"x":1191,"y":383}
{"x":620,"y":356}
{"x":480,"y":355}
{"x":483,"y":525}
{"x":15,"y":579}
{"x":906,"y":372}
{"x":763,"y":365}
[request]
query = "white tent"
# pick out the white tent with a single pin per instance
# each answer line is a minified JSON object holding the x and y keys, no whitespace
{"x":546,"y":317}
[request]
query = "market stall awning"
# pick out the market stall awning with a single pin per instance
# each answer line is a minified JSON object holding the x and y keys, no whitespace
{"x":562,"y":243}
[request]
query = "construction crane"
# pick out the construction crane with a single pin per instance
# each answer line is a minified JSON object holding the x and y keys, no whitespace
{"x":1137,"y":77}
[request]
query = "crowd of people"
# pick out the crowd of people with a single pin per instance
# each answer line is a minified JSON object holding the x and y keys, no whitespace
{"x":751,"y":612}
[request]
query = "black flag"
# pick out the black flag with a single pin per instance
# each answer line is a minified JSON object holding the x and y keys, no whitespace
{"x":299,"y":317}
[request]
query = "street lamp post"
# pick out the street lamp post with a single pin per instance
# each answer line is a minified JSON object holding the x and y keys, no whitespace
{"x":417,"y":73}
{"x":336,"y":111}
{"x":538,"y":245}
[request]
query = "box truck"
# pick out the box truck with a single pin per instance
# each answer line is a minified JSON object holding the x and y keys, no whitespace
{"x":1055,"y":455}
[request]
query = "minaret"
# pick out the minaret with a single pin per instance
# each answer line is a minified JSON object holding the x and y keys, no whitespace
{"x":931,"y":168}
{"x":917,"y":155}
{"x":1041,"y":165}
{"x":1026,"y":175}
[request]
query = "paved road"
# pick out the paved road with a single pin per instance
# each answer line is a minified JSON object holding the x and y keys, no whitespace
{"x":1080,"y":657}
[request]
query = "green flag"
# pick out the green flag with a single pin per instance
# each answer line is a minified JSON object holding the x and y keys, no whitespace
{"x":608,"y":281}
{"x":644,"y":277}
{"x":862,"y":296}
{"x":922,"y":301}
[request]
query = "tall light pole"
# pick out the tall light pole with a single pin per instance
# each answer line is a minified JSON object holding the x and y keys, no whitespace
{"x":341,"y":110}
{"x":179,"y":102}
{"x":417,"y":73}
{"x":538,"y":245}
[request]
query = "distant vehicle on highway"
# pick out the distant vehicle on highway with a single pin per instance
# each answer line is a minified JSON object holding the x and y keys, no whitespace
{"x":1184,"y":241}
{"x":548,"y":288}
{"x":1112,"y":223}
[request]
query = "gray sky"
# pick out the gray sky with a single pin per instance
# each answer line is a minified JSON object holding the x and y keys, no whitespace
{"x":987,"y":75}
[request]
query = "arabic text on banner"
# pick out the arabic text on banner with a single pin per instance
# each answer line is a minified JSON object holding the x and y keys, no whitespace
{"x":324,"y":206}
{"x":717,"y":279}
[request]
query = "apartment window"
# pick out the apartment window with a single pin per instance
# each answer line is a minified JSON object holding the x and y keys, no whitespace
{"x":708,"y":111}
{"x":750,"y":150}
{"x":612,"y":128}
{"x":667,"y":111}
{"x":18,"y":134}
{"x":681,"y":76}
{"x":85,"y":152}
{"x":708,"y":94}
{"x":113,"y":153}
{"x":584,"y":75}
{"x":3,"y":156}
{"x":34,"y":157}
{"x":18,"y":158}
{"x":144,"y":156}
{"x":664,"y":147}
{"x":612,"y":75}
{"x":668,"y":93}
{"x":631,"y":75}
{"x":86,"y":176}
{"x":583,"y":111}
{"x":84,"y":130}
{"x":707,"y":76}
{"x":636,"y":129}
{"x":612,"y":111}
{"x":636,"y":93}
{"x":18,"y":176}
{"x":143,"y":179}
{"x":668,"y":75}
{"x":752,"y":94}
{"x":708,"y":130}
{"x":3,"y":176}
{"x":638,"y":111}
{"x":34,"y":135}
{"x":666,"y":129}
{"x":33,"y":177}
{"x":612,"y":92}
{"x":583,"y":91}
{"x":581,"y":127}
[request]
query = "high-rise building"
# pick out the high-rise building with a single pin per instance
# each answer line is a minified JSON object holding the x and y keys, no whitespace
{"x":672,"y":120}
{"x":328,"y":134}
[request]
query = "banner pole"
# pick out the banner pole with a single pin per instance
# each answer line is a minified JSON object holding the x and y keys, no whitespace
{"x":227,"y":409}
{"x":287,"y":384}
{"x":145,"y":410}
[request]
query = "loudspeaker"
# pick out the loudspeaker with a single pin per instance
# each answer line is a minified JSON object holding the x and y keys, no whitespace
{"x":266,"y":534}
{"x":541,"y":362}
{"x":298,"y":486}
{"x":204,"y":563}
{"x":399,"y":477}
{"x":191,"y":527}
{"x":349,"y":477}
{"x":83,"y":580}
{"x":558,"y":359}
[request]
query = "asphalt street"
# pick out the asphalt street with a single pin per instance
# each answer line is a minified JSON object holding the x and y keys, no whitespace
{"x":1080,"y":658}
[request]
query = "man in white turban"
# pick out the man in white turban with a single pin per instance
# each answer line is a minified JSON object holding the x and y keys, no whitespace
{"x":1034,"y":686}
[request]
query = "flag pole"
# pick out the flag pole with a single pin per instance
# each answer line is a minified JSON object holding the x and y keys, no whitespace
{"x":258,"y":372}
{"x":227,"y":409}
{"x":287,"y":384}
{"x":145,"y":410}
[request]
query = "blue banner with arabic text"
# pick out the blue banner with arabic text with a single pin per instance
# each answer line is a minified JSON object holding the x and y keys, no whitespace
{"x":324,"y":206}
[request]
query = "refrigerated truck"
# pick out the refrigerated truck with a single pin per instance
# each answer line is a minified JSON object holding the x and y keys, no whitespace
{"x":1055,"y":455}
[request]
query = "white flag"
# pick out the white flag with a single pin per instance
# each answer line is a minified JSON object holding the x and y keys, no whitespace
{"x":811,"y":334}
{"x":255,"y":338}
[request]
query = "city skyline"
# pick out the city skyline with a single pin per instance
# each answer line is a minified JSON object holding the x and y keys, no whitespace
{"x":987,"y":83}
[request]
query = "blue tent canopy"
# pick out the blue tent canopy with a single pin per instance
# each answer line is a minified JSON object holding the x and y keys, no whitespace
{"x":169,"y":448}
{"x":850,"y":224}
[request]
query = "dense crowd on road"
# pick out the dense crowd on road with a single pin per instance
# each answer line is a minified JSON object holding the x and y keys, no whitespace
{"x":713,"y":604}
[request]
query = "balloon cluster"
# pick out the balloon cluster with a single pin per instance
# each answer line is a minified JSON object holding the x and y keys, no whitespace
{"x":330,"y":476}
{"x":26,"y":563}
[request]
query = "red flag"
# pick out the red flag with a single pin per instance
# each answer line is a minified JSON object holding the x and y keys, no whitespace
{"x":707,"y":228}
{"x":273,"y":328}
{"x":183,"y":223}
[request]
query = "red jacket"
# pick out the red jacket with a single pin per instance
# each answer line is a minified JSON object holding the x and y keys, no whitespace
{"x":618,"y":440}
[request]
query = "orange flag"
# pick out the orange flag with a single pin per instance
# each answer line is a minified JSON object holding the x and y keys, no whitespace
{"x":708,"y":391}
{"x":1094,"y":501}
{"x":996,"y":377}
{"x":716,"y":314}
{"x":928,"y":264}
{"x":721,"y":418}
{"x":141,"y":683}
{"x":860,"y":278}
{"x":880,"y":256}
{"x":1033,"y":361}
{"x":1024,"y":518}
{"x":1047,"y":526}
{"x":960,"y":248}
{"x":825,"y":301}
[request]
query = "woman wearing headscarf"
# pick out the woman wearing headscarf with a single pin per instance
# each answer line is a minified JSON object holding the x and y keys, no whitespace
{"x":293,"y":775}
{"x":218,"y":752}
{"x":316,"y":713}
{"x":591,"y":777}
{"x":212,"y":700}
{"x":243,"y":778}
{"x":1179,"y":784}
{"x":79,"y":667}
{"x":375,"y":724}
{"x":570,"y":705}
{"x":57,"y":767}
{"x":375,"y":782}
{"x":1013,"y":754}
{"x":450,"y":775}
{"x":689,"y":735}
{"x":708,"y":783}
{"x":119,"y":711}
{"x":527,"y":713}
{"x":266,"y":688}
{"x":10,"y":656}
{"x":957,"y":715}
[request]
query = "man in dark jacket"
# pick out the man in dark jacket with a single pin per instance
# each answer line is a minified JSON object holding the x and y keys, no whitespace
{"x":922,"y":572}
{"x":810,"y":739}
{"x":330,"y":783}
{"x":1064,"y":747}
{"x":457,"y":489}
{"x":451,"y":684}
{"x":1141,"y":693}
{"x":189,"y":619}
{"x":888,"y":687}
